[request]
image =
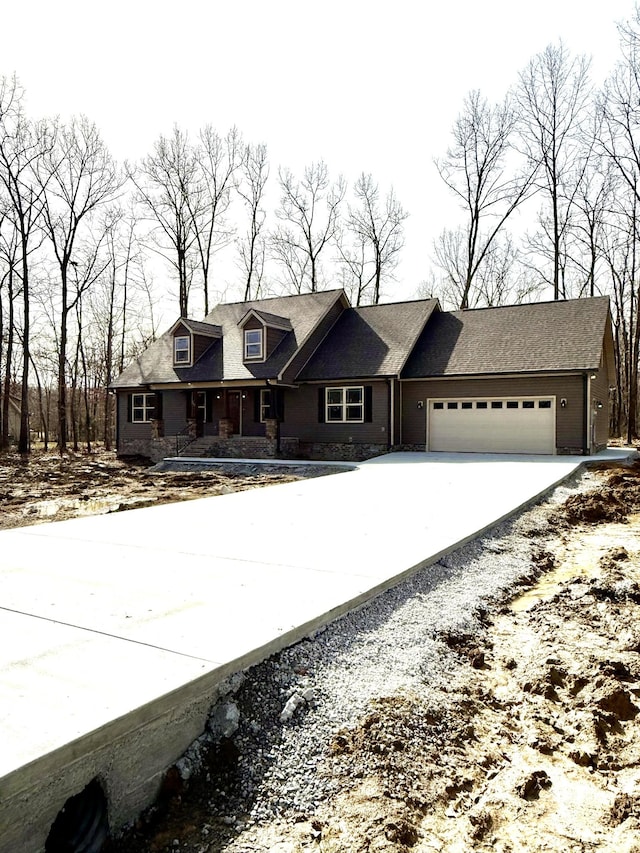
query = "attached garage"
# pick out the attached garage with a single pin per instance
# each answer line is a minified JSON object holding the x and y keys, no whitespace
{"x":529,"y":378}
{"x":492,"y":425}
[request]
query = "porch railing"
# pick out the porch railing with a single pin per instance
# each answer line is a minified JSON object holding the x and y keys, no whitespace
{"x":183,"y":439}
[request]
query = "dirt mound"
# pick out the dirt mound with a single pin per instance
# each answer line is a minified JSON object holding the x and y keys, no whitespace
{"x":614,"y":501}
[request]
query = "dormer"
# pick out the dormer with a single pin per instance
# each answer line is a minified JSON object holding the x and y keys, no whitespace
{"x":190,"y":339}
{"x":261,"y":334}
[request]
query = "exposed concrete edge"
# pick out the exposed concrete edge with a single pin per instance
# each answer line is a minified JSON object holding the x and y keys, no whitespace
{"x":210,"y":461}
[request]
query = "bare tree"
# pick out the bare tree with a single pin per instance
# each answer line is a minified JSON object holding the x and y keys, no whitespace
{"x":252,"y":246}
{"x":308,"y":212}
{"x":22,"y":145}
{"x":478,"y":169}
{"x":592,"y":205}
{"x":378,"y":232}
{"x":167,"y":186}
{"x":112,"y":301}
{"x":354,"y":268}
{"x":619,"y":248}
{"x":78,"y":176}
{"x":553,"y":94}
{"x":218,"y":159}
{"x":9,"y":281}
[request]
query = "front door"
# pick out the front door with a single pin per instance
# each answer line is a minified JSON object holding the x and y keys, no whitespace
{"x":234,"y":402}
{"x":197,"y":411}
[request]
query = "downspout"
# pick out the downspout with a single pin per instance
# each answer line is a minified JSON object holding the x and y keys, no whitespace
{"x":586,"y":447}
{"x":392,"y":415}
{"x":117,"y":422}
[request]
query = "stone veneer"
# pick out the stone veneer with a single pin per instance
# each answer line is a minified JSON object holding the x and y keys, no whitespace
{"x":340,"y":451}
{"x":259,"y":448}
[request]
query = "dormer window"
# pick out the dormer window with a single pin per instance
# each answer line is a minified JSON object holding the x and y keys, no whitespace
{"x":182,"y":350}
{"x":253,"y":344}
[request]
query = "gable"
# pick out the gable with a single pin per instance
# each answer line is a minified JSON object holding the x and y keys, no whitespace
{"x":370,"y":341}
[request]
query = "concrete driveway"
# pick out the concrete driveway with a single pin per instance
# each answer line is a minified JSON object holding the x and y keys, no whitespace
{"x":103,"y":618}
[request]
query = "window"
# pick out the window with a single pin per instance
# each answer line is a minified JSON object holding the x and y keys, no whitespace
{"x":182,"y":349}
{"x":466,"y":405}
{"x":481,"y":404}
{"x":438,"y":405}
{"x":496,"y":404}
{"x":544,"y":404}
{"x":252,"y":343}
{"x":528,"y":404}
{"x":143,"y":408}
{"x":452,"y":405}
{"x":345,"y":405}
{"x":512,"y":404}
{"x":265,"y":404}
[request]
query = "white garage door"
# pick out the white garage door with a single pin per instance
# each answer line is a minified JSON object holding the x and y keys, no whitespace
{"x":492,"y":425}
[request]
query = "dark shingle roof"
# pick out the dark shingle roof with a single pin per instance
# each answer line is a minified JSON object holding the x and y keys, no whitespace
{"x":371,"y":341}
{"x":542,"y":336}
{"x":200,"y":328}
{"x":223,"y":360}
{"x":269,"y":319}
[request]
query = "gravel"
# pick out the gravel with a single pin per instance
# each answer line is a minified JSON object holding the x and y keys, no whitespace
{"x":283,"y":714}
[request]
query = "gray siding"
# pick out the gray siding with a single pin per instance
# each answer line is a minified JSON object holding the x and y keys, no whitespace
{"x":569,"y":420}
{"x":274,"y":336}
{"x":128,"y":431}
{"x":174,"y":411}
{"x":600,"y":393}
{"x":301,"y":417}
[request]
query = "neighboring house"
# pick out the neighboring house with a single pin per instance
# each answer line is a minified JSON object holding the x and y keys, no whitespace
{"x":14,"y":417}
{"x":310,"y":376}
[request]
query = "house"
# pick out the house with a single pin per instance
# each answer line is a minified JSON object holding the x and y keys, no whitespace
{"x":310,"y":376}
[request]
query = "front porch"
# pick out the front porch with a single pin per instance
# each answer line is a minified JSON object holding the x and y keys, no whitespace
{"x":239,"y":447}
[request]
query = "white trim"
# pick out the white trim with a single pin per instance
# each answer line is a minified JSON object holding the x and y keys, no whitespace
{"x":588,"y":416}
{"x":392,"y":404}
{"x":247,"y":344}
{"x":187,"y":362}
{"x":145,"y":408}
{"x":262,"y":406}
{"x":343,"y":404}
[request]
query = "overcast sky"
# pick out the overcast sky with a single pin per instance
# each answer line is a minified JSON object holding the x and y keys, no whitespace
{"x":366,"y":86}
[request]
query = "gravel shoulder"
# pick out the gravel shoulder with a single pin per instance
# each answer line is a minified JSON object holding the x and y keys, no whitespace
{"x":490,"y":702}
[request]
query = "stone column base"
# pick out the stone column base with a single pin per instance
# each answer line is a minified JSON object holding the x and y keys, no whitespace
{"x":225,"y":427}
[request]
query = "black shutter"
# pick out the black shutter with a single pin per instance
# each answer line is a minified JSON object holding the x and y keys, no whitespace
{"x":279,"y":405}
{"x":368,"y":404}
{"x":256,"y":405}
{"x":157,"y":414}
{"x":208,"y":396}
{"x":129,"y":407}
{"x":321,"y":409}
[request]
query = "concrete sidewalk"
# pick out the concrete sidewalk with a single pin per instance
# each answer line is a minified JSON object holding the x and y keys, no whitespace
{"x":116,"y":625}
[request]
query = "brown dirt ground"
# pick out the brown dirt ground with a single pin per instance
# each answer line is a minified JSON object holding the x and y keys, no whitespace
{"x":540,"y":750}
{"x":47,"y":487}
